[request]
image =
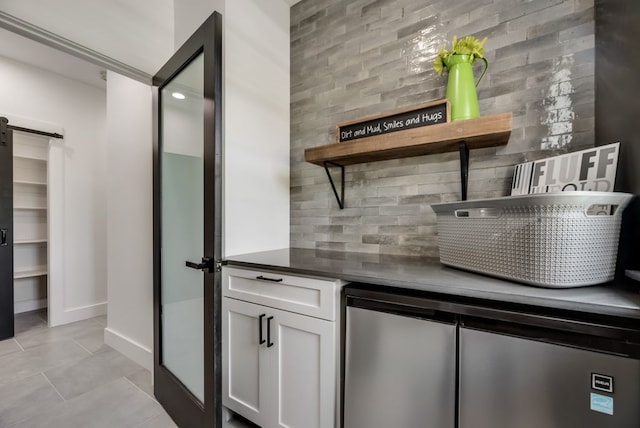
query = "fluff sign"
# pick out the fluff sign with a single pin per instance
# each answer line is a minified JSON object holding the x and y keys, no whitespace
{"x":591,"y":169}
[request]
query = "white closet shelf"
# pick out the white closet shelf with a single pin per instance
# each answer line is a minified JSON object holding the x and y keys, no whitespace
{"x":28,"y":158}
{"x":29,"y":241}
{"x":30,"y":182}
{"x":38,"y":271}
{"x":30,"y":208}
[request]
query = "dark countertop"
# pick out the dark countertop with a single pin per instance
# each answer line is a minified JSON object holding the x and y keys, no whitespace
{"x":430,"y":275}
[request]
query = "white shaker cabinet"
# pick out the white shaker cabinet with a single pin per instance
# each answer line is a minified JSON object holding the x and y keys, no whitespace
{"x":280,"y":364}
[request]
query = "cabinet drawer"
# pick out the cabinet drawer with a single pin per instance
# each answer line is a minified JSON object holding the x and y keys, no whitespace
{"x":308,"y":296}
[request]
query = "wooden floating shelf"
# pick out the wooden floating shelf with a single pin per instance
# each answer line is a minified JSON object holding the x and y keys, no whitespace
{"x":486,"y":131}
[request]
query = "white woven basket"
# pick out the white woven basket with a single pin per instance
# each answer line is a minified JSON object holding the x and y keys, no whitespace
{"x":554,"y":240}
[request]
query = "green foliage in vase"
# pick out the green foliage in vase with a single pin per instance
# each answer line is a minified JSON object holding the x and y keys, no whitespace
{"x":469,"y":45}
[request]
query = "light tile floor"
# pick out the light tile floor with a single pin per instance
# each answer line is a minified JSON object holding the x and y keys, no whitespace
{"x":66,"y":376}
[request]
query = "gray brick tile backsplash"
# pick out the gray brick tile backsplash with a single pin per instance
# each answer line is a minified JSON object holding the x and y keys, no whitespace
{"x":352,"y":59}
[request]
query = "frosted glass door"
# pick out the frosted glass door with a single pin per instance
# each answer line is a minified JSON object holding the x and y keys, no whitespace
{"x":187,"y":224}
{"x":182,"y":218}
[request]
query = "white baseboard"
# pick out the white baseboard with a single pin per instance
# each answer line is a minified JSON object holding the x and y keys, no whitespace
{"x":129,"y":348}
{"x":76,"y":314}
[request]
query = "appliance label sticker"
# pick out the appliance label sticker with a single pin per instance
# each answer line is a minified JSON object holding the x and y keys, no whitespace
{"x":602,"y":403}
{"x":602,"y":382}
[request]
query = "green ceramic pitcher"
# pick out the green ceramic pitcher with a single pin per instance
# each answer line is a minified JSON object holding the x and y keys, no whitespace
{"x":461,"y":87}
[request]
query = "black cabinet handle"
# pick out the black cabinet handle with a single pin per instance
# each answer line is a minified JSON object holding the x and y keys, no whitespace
{"x":269,"y":342}
{"x":260,"y":328}
{"x":264,"y":278}
{"x":3,"y":237}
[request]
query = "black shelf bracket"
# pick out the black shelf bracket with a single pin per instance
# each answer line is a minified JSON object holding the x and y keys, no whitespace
{"x":464,"y":168}
{"x":339,"y":198}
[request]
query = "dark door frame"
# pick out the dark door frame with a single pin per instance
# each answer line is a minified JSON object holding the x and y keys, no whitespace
{"x":6,"y":230}
{"x":179,"y":402}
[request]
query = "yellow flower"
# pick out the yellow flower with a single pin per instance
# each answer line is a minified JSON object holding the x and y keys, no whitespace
{"x":468,"y":45}
{"x":438,"y":63}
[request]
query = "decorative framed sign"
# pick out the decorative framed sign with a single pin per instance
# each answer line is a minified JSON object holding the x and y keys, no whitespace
{"x":427,"y":114}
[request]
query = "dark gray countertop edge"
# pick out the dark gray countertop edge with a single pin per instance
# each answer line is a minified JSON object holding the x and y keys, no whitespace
{"x":560,"y":304}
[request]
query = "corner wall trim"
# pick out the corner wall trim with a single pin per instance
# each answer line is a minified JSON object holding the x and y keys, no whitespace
{"x":129,"y":348}
{"x":33,"y":32}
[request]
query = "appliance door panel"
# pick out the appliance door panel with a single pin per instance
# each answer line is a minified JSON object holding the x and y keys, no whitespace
{"x":399,"y":371}
{"x":512,"y":382}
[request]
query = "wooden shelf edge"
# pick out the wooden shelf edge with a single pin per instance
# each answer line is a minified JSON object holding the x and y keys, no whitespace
{"x":485,"y":131}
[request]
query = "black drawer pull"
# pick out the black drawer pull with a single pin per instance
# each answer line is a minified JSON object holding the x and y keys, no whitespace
{"x":269,"y":342}
{"x":264,"y":278}
{"x":260,"y":328}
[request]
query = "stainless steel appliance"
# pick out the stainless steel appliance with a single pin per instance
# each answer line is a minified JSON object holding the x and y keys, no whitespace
{"x":515,"y":382}
{"x":415,"y":360}
{"x":399,"y":367}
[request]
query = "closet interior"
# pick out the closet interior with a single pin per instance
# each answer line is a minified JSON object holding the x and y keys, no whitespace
{"x":30,"y":218}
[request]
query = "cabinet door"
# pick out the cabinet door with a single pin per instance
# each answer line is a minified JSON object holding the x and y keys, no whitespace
{"x":304,"y":370}
{"x":243,"y":365}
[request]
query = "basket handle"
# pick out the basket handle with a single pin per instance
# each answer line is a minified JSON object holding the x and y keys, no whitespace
{"x":478,"y":213}
{"x":601,"y":210}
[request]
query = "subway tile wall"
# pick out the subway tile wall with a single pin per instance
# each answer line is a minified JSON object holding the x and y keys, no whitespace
{"x":352,"y":59}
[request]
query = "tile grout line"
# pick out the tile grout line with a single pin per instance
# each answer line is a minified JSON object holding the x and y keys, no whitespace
{"x":146,"y":420}
{"x":53,"y":386}
{"x":78,"y":343}
{"x":98,"y":322}
{"x":19,"y":345}
{"x":145,"y":392}
{"x":148,"y":395}
{"x":18,"y":422}
{"x":12,"y":353}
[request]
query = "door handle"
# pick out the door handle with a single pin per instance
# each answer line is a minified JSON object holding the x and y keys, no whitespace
{"x":269,"y":342}
{"x":260,"y":328}
{"x":3,"y":237}
{"x":206,"y":264}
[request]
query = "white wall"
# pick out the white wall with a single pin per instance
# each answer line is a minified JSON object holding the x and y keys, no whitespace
{"x":256,"y":91}
{"x":256,"y":55}
{"x":256,"y":49}
{"x":189,"y":14}
{"x":42,"y":96}
{"x":137,"y":33}
{"x":130,"y":219}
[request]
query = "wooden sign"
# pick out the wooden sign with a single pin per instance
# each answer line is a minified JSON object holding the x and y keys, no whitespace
{"x":431,"y":113}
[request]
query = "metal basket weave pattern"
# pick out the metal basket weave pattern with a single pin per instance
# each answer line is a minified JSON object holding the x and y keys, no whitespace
{"x":547,"y":240}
